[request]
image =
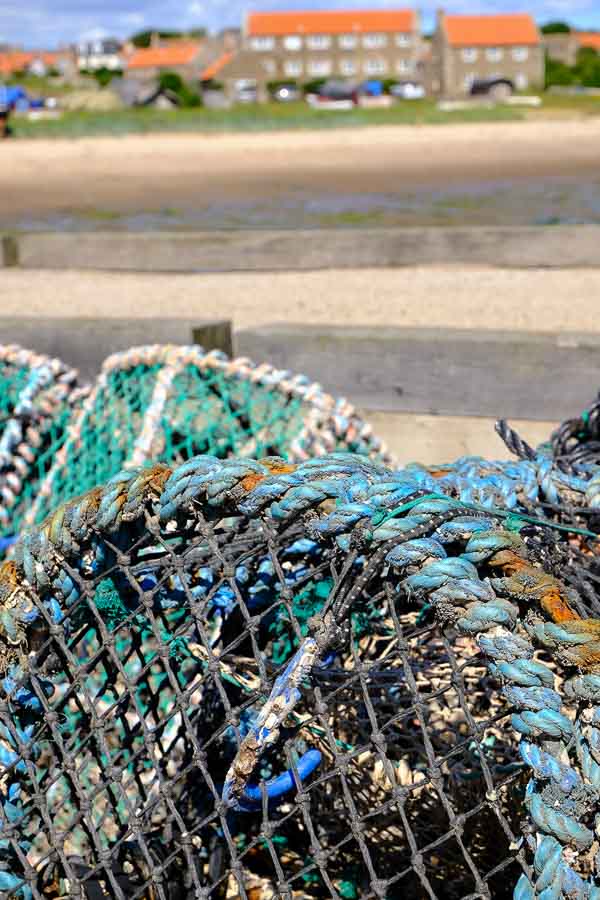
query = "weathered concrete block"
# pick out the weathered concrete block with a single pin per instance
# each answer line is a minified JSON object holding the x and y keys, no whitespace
{"x":440,"y":371}
{"x":85,"y":343}
{"x":202,"y":251}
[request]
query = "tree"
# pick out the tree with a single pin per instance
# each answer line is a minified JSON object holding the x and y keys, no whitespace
{"x":556,"y":28}
{"x":587,"y":67}
{"x":558,"y":73}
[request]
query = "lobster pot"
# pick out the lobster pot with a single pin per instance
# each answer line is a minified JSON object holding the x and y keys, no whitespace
{"x":37,"y":398}
{"x":260,"y":679}
{"x":172,"y":403}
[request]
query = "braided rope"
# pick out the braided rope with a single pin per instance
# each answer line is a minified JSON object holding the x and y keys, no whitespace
{"x":50,"y":387}
{"x":344,"y":501}
{"x":328,"y":424}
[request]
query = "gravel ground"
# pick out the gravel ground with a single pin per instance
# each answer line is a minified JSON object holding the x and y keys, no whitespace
{"x":443,"y":296}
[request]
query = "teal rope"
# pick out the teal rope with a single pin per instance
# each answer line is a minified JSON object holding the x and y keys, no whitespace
{"x":512,"y":518}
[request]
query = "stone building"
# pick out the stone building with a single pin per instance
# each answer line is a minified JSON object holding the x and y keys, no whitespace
{"x":468,"y":48}
{"x":304,"y":46}
{"x":184,"y":58}
{"x":564,"y":47}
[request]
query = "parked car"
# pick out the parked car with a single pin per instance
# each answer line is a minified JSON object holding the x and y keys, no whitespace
{"x":334,"y":95}
{"x":408,"y":90}
{"x":497,"y":88}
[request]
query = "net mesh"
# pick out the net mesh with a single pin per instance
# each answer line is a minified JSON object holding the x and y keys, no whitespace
{"x":172,"y":403}
{"x":223,"y":681}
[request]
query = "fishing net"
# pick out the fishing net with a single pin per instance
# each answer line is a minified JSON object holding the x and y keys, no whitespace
{"x":248,"y":679}
{"x":37,"y":398}
{"x":172,"y":403}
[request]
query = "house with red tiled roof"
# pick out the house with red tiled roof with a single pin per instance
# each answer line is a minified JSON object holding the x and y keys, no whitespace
{"x":185,"y":58}
{"x":35,"y":62}
{"x":470,"y":48}
{"x":304,"y":46}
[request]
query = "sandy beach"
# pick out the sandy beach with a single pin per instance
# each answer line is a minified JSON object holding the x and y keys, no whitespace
{"x":112,"y":176}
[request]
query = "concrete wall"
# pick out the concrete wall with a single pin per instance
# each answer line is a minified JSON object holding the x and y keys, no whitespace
{"x":546,"y":247}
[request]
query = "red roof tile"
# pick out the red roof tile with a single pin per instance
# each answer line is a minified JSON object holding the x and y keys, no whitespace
{"x":175,"y":54}
{"x":491,"y":31}
{"x":330,"y":22}
{"x":216,"y":67}
{"x":590,"y":39}
{"x":17,"y":61}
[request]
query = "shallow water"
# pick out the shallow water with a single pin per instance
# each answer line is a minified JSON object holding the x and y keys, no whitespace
{"x":548,"y":201}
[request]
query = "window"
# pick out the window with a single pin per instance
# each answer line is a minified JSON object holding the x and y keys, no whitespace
{"x":374,"y":41}
{"x":262,"y":43}
{"x":403,"y":40}
{"x":494,"y":54}
{"x":469,"y":55}
{"x":292,"y":42}
{"x":269,"y":65}
{"x":348,"y":67}
{"x":375,"y":67}
{"x":521,"y":81}
{"x":318,"y":41}
{"x":404,"y":67}
{"x":520,"y":54}
{"x":293,"y":68}
{"x":347,"y":41}
{"x":319,"y":68}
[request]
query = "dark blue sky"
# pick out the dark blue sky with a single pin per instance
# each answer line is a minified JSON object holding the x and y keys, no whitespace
{"x":46,"y":23}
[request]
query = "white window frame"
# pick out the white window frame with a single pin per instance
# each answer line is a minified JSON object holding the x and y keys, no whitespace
{"x":262,"y":44}
{"x":375,"y":67}
{"x":292,"y":68}
{"x":494,"y":54}
{"x":403,"y":40}
{"x":348,"y":67}
{"x":374,"y":41}
{"x":318,"y":41}
{"x":520,"y":54}
{"x":292,"y":42}
{"x":404,"y":66}
{"x":469,"y":55}
{"x":319,"y":68}
{"x":348,"y":41}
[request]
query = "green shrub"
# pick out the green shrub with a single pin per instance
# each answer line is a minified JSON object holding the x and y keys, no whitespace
{"x":311,"y":87}
{"x":174,"y":83}
{"x":105,"y":76}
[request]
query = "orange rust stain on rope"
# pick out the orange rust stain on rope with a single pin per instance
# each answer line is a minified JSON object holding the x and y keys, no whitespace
{"x":9,"y":575}
{"x":156,"y":477}
{"x":274,"y":466}
{"x":535,"y":584}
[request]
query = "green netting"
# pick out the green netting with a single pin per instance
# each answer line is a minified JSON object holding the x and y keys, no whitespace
{"x":169,"y":404}
{"x":38,"y":396}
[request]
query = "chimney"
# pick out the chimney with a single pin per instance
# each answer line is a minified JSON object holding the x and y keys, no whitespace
{"x":154,"y":39}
